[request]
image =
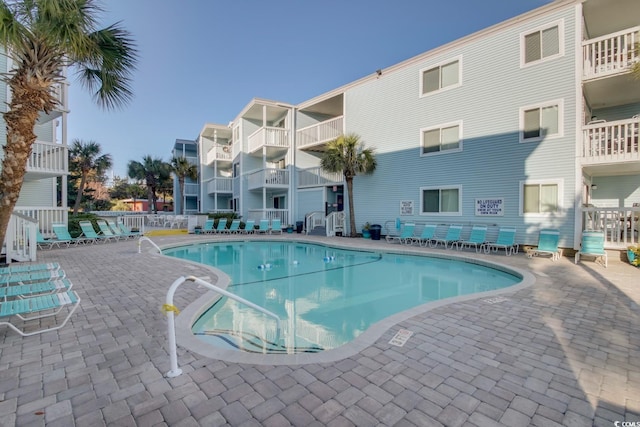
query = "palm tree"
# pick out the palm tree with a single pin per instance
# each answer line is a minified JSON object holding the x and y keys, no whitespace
{"x":183,"y":169}
{"x":42,"y":38}
{"x":152,"y":171}
{"x":86,"y":158}
{"x":347,"y":154}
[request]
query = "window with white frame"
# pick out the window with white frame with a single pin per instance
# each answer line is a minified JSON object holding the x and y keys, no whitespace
{"x":540,"y":121}
{"x":443,"y":76}
{"x":542,"y":44}
{"x":540,"y":197}
{"x":440,"y":200}
{"x":441,"y":138}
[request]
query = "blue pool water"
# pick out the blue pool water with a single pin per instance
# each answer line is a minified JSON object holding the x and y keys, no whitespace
{"x":325,"y":297}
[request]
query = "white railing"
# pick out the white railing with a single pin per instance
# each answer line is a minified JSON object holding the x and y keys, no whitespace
{"x":335,"y":223}
{"x":281,"y":214}
{"x":319,"y":133}
{"x":621,"y":225}
{"x":59,"y":91}
{"x":191,"y":189}
{"x":44,"y":217}
{"x":268,"y":178}
{"x":138,"y":222}
{"x":270,"y":137}
{"x":610,"y":54}
{"x":218,"y":152}
{"x":220,"y":185}
{"x":20,"y":241}
{"x":313,"y":220}
{"x":317,"y":176}
{"x":48,"y":157}
{"x":611,"y":141}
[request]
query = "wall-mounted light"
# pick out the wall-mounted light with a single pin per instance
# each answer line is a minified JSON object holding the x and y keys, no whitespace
{"x":594,"y":187}
{"x":379,"y":72}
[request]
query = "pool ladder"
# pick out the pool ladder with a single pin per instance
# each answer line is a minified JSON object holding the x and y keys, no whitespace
{"x":171,"y":309}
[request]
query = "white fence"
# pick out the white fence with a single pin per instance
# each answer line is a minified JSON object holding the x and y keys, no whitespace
{"x":621,"y":225}
{"x":606,"y":142}
{"x":319,"y":133}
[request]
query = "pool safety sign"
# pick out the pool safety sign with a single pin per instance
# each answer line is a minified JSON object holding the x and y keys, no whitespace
{"x":401,"y":337}
{"x":490,"y":207}
{"x":406,"y":207}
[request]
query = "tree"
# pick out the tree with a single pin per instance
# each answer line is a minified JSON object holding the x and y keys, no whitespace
{"x":347,"y":154}
{"x":86,"y":158}
{"x":42,"y":38}
{"x":152,"y":171}
{"x":183,"y":169}
{"x":122,"y":189}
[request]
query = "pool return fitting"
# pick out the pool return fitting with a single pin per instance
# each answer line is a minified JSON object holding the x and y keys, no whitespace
{"x":171,"y":311}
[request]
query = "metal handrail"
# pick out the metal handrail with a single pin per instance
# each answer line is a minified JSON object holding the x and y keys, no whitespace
{"x":170,"y":309}
{"x":145,"y":238}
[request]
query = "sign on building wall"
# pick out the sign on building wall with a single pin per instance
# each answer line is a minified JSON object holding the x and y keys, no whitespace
{"x":406,"y":207}
{"x":490,"y":207}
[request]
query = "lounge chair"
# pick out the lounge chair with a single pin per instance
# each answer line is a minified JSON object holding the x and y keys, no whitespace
{"x":37,"y":288}
{"x":477,"y":238}
{"x":89,"y":232}
{"x":28,"y":268}
{"x":506,"y":240}
{"x":116,"y":230}
{"x":62,"y":233}
{"x":427,"y":236}
{"x":234,"y":227}
{"x":276,"y":226}
{"x":406,"y":235}
{"x":263,"y":226}
{"x":249,"y":227}
{"x":106,"y":230}
{"x":45,"y":243}
{"x":592,"y":245}
{"x":208,"y":227}
{"x":547,"y":244}
{"x":127,"y":231}
{"x":222,"y":226}
{"x":38,"y":307}
{"x":452,"y":237}
{"x":31,"y":277}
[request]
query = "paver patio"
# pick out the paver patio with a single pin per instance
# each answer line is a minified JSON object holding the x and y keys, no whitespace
{"x":565,"y":351}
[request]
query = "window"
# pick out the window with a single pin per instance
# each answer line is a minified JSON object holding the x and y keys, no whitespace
{"x":445,"y":200}
{"x":540,"y":197}
{"x":540,"y":121}
{"x":443,"y":76}
{"x":541,"y":44}
{"x":447,"y":137}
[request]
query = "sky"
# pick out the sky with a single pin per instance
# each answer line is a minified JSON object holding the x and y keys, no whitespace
{"x":203,"y":61}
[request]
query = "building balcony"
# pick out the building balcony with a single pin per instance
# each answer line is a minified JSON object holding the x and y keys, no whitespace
{"x":275,"y":140}
{"x":610,"y":54}
{"x":191,"y":189}
{"x":611,"y":143}
{"x":220,"y":185}
{"x":219,"y":153}
{"x":47,"y":160}
{"x":60,"y":93}
{"x":314,"y":177}
{"x":315,"y":137}
{"x":268,"y":178}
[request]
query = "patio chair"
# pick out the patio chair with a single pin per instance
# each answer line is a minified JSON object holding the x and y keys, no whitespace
{"x":116,"y":230}
{"x":405,"y":236}
{"x":234,"y":227}
{"x":506,"y":240}
{"x":62,"y":233}
{"x":90,"y":233}
{"x":592,"y":245}
{"x":263,"y":227}
{"x":46,"y":243}
{"x":12,"y":279}
{"x":427,"y":236}
{"x":221,"y":227}
{"x":477,"y":239}
{"x":208,"y":226}
{"x":34,"y":289}
{"x":249,"y":227}
{"x":128,"y":232}
{"x":38,"y":307}
{"x":452,"y":237}
{"x":547,"y":244}
{"x":276,"y":226}
{"x":106,"y":230}
{"x":28,"y":268}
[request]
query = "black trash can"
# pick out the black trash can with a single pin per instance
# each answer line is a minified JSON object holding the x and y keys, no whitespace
{"x":299,"y":225}
{"x":375,"y":230}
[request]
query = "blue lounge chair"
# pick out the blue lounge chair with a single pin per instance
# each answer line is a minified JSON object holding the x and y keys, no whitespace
{"x":33,"y":289}
{"x":90,"y":233}
{"x":38,"y":307}
{"x":62,"y":233}
{"x":116,"y":230}
{"x":276,"y":226}
{"x":249,"y":227}
{"x":506,"y":240}
{"x":263,"y":226}
{"x":45,"y":243}
{"x":592,"y":245}
{"x":427,"y":236}
{"x":234,"y":227}
{"x":106,"y":230}
{"x":28,"y":268}
{"x":208,"y":227}
{"x":477,"y":238}
{"x":221,"y":227}
{"x":547,"y":244}
{"x":127,"y":231}
{"x":406,"y":235}
{"x":31,"y":277}
{"x":452,"y":237}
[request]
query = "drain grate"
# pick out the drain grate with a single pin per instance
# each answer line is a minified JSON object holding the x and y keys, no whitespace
{"x":495,"y":300}
{"x":401,"y":337}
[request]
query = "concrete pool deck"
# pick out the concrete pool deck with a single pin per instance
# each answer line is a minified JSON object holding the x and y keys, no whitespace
{"x":565,"y":351}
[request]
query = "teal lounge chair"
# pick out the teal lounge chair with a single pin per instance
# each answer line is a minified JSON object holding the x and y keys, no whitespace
{"x":106,"y":230}
{"x":506,"y":240}
{"x":427,"y":236}
{"x":547,"y":244}
{"x":406,"y":235}
{"x":592,"y":245}
{"x":127,"y":231}
{"x":276,"y":226}
{"x":89,"y":232}
{"x":28,"y":290}
{"x":116,"y":230}
{"x":31,"y":277}
{"x":234,"y":227}
{"x":477,"y":238}
{"x":222,"y":226}
{"x":44,"y":243}
{"x":62,"y":233}
{"x":38,"y":307}
{"x":452,"y":237}
{"x":28,"y":268}
{"x":263,"y":226}
{"x":249,"y":227}
{"x":208,"y":227}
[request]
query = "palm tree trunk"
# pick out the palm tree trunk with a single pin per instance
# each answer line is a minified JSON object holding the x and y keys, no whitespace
{"x":150,"y":199}
{"x":83,"y":182}
{"x":352,"y":214}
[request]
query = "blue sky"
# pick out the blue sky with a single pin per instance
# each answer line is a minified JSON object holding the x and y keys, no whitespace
{"x":202,"y":61}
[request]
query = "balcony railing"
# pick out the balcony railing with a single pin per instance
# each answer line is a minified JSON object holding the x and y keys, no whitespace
{"x":268,"y":178}
{"x":48,"y":158}
{"x":317,"y":176}
{"x":269,"y":137}
{"x":20,"y":240}
{"x":219,"y":152}
{"x":319,"y":133}
{"x":621,"y":225}
{"x":608,"y":142}
{"x":258,"y":214}
{"x":610,"y":54}
{"x":191,"y":189}
{"x":220,"y":185}
{"x":45,"y":216}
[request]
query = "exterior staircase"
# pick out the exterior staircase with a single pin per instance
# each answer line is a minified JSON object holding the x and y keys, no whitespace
{"x":318,"y":231}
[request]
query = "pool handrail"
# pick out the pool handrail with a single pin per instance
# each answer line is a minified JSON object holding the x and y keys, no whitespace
{"x":170,"y":309}
{"x":145,"y":238}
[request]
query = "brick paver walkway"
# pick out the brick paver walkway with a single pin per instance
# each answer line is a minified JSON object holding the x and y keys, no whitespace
{"x":565,"y":351}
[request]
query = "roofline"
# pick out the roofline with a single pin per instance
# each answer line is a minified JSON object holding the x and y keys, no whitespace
{"x":261,"y":101}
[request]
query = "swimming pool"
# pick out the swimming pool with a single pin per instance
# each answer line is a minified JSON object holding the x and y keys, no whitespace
{"x":325,"y":296}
